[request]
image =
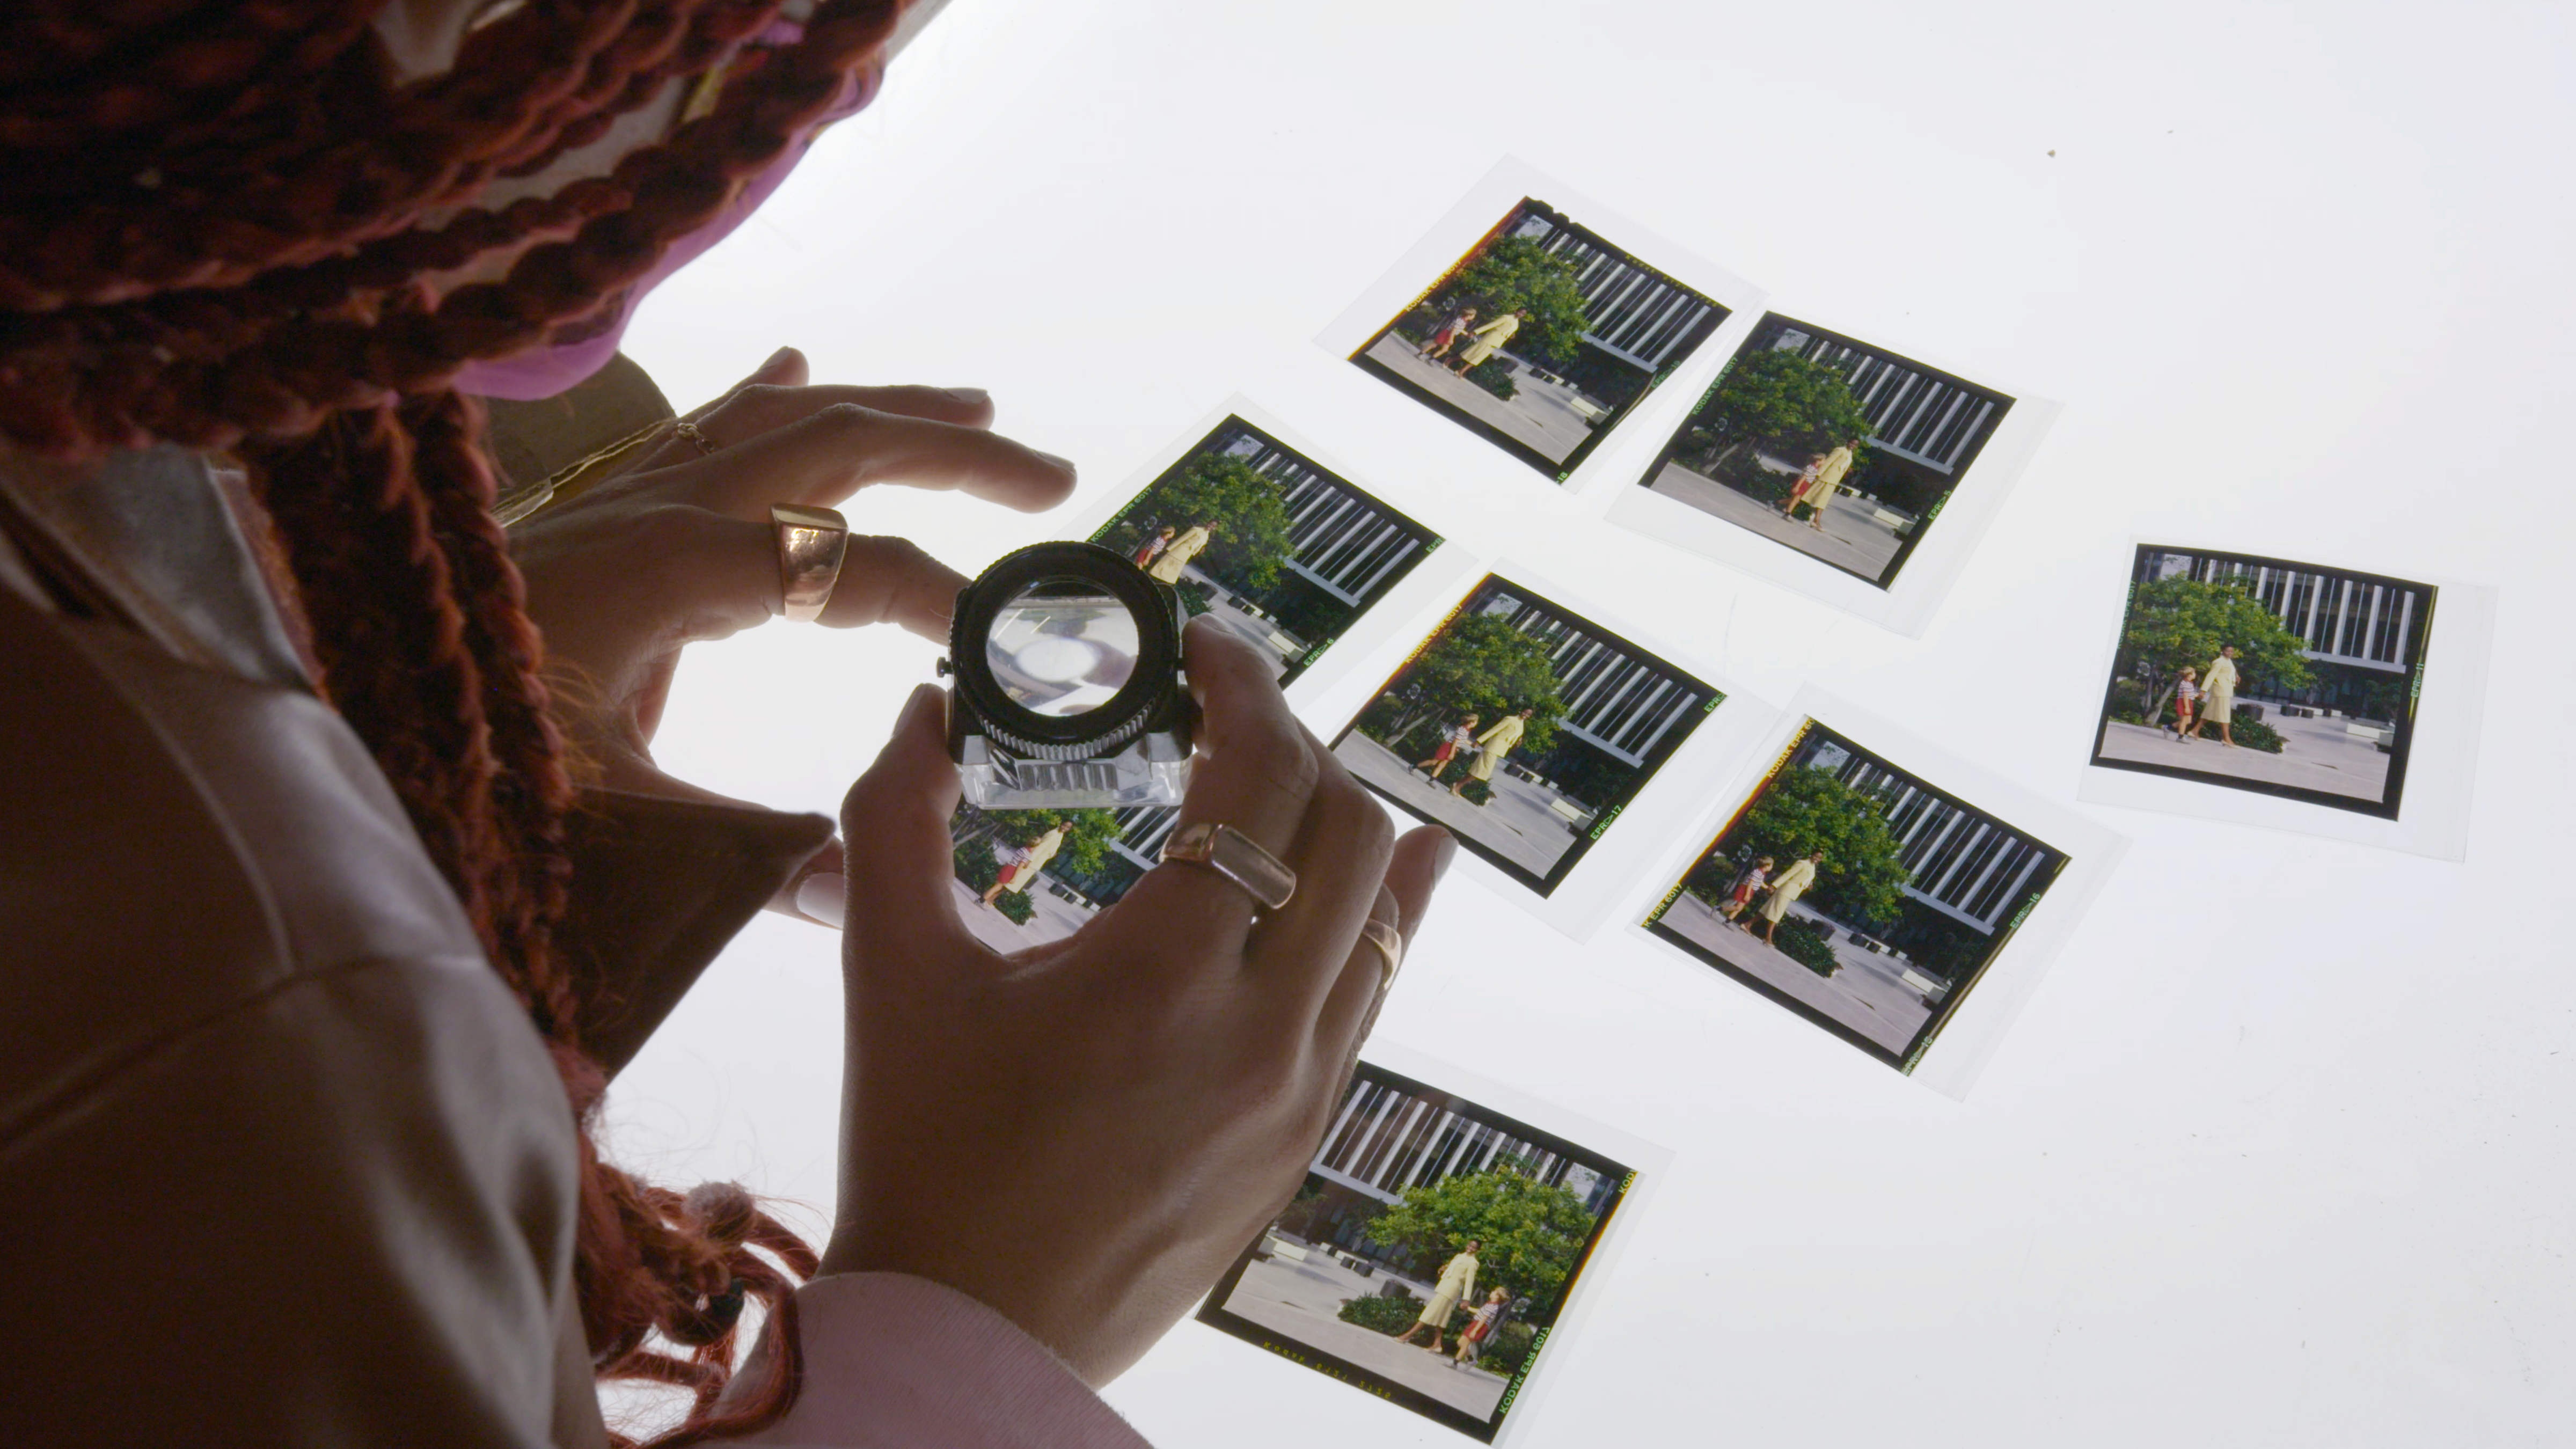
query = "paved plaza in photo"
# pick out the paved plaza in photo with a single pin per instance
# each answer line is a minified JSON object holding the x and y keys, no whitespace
{"x":1261,"y":636}
{"x":1541,"y":415}
{"x":2316,"y":754}
{"x":1299,"y":1301}
{"x":1055,"y":918}
{"x":1865,"y":995}
{"x":1854,"y":538}
{"x":1515,"y":824}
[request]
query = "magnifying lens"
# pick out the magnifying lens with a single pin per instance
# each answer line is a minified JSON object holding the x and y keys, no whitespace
{"x":1068,"y":692}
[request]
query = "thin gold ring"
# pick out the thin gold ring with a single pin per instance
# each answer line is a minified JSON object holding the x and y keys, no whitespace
{"x":1236,"y":856}
{"x":1389,"y":943}
{"x":812,"y":542}
{"x":694,"y":434}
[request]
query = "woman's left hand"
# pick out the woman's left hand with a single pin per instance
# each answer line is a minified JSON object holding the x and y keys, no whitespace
{"x":678,"y":547}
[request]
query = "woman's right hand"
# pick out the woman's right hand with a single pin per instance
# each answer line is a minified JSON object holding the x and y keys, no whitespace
{"x":1085,"y":1134}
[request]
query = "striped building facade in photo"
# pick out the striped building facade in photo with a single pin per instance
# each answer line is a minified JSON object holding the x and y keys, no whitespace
{"x":1634,"y":313}
{"x":1914,"y":412}
{"x":1616,"y":699}
{"x":1347,"y":544}
{"x":1385,"y":1139}
{"x":2344,"y":618}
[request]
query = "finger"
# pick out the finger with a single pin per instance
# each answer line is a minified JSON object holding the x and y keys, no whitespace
{"x":1421,"y":858}
{"x":785,"y":368}
{"x":757,"y":406}
{"x":1343,"y":847}
{"x":843,"y":447}
{"x":1256,"y":771}
{"x":894,"y":842}
{"x":819,"y":891}
{"x":777,"y":394}
{"x":883,"y":580}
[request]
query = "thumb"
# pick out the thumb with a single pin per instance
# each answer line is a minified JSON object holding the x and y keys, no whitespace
{"x":894,"y":837}
{"x":784,"y":368}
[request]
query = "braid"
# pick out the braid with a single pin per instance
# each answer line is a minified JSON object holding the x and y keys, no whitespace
{"x":271,"y":295}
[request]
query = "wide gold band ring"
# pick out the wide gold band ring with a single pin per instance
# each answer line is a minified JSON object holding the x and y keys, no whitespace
{"x":1236,"y":856}
{"x":811,"y":544}
{"x":1389,"y":943}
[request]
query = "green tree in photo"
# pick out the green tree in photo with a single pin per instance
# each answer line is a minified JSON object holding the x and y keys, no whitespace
{"x":1531,"y":1231}
{"x":1479,"y":665}
{"x":1516,"y":272}
{"x":2179,"y":623}
{"x":1781,"y":400}
{"x":1861,"y":879}
{"x":1088,"y":835}
{"x":1251,"y":519}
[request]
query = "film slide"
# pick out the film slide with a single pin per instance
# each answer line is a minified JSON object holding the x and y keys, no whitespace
{"x":1856,"y":894}
{"x":1541,"y":338}
{"x":2295,"y":680}
{"x":1430,"y":1254}
{"x":1523,"y":729}
{"x":1824,"y":444}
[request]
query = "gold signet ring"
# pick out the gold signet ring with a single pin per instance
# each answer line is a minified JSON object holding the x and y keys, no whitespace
{"x":1236,"y":856}
{"x":811,"y":544}
{"x":1389,"y":943}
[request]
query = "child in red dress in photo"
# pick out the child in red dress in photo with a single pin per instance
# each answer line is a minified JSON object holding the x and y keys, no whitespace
{"x":1460,"y":734}
{"x":1745,"y":885}
{"x":1483,"y":1325}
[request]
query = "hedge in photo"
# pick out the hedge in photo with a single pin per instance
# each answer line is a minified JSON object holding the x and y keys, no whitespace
{"x":1382,"y":1315}
{"x":1804,"y":942}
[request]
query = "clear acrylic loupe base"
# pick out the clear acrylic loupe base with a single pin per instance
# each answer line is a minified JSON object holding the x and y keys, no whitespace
{"x":1153,"y":769}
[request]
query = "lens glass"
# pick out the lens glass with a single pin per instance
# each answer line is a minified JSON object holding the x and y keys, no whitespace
{"x":1062,"y":646}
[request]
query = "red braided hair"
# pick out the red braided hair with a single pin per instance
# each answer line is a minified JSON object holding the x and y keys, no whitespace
{"x":225,"y":229}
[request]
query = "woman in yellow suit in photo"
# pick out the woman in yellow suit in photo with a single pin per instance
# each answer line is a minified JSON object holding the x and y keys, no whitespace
{"x":1489,"y":339}
{"x":1493,"y":744}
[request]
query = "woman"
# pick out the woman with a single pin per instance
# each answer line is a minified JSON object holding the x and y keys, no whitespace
{"x":1020,"y":869}
{"x":1489,"y":340}
{"x":1491,"y":746}
{"x":2218,"y":697}
{"x":329,"y":919}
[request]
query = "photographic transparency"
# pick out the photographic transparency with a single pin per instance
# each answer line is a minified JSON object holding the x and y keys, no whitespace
{"x":1839,"y":450}
{"x":2258,"y":674}
{"x":1276,"y":548}
{"x":1522,"y":728}
{"x":1541,"y":338}
{"x":1429,"y":1255}
{"x":1027,"y":877}
{"x":1859,"y":896}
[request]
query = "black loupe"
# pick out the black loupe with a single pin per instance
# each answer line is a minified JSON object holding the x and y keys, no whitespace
{"x":1067,"y":660}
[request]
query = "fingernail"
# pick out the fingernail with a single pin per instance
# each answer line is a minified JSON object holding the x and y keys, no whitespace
{"x":973,"y":397}
{"x":825,"y":896}
{"x":1440,"y":858}
{"x":1065,"y":463}
{"x":924,"y":697}
{"x":775,"y":358}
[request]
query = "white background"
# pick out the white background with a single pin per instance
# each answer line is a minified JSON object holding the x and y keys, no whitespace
{"x":2279,"y":1152}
